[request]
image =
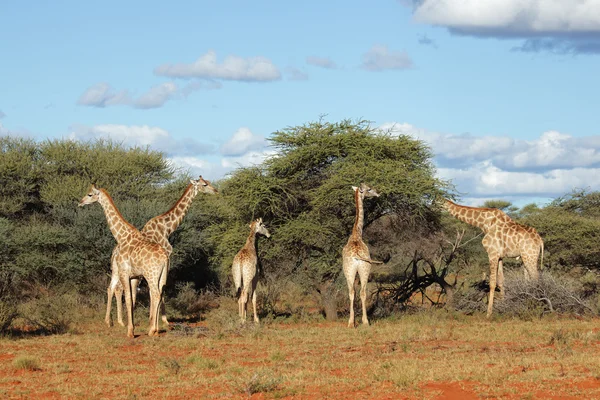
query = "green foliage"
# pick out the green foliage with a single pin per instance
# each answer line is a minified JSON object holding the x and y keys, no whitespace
{"x":304,"y":195}
{"x":8,"y":312}
{"x":570,"y":227}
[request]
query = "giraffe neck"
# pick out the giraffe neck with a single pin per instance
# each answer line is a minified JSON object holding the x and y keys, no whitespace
{"x":251,"y":241}
{"x":119,"y":227}
{"x":173,"y":218}
{"x":482,"y":218}
{"x":357,"y":230}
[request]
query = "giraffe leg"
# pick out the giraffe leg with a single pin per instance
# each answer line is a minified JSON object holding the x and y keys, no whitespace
{"x":501,"y":279}
{"x":134,"y":287}
{"x":254,"y":301}
{"x":110,"y":291}
{"x":363,"y":274}
{"x":350,"y":280}
{"x":125,"y":281}
{"x":119,"y":301}
{"x":243,"y":305}
{"x":493,"y":273}
{"x":530,"y":266}
{"x":154,"y":309}
{"x":163,"y":311}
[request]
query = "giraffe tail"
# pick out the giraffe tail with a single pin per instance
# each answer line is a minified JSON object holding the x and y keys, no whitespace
{"x":370,"y":261}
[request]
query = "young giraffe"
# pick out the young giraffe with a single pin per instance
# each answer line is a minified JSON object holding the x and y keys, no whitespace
{"x":355,"y":254}
{"x":244,"y":269}
{"x":157,"y":230}
{"x":503,"y":238}
{"x":137,"y":257}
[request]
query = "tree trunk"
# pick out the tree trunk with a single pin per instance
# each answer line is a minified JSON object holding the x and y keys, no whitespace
{"x":329,"y":300}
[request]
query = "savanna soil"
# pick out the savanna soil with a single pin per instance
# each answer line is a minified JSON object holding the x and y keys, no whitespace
{"x":431,"y":355}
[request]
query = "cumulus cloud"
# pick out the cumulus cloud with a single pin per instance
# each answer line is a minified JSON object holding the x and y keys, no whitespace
{"x":294,"y":74}
{"x":235,"y":68}
{"x":242,"y":142}
{"x":323,"y":62}
{"x":379,"y":58}
{"x":102,"y":95}
{"x":488,"y":166}
{"x":140,"y":135}
{"x":157,"y":96}
{"x":551,"y":25}
{"x":200,"y":84}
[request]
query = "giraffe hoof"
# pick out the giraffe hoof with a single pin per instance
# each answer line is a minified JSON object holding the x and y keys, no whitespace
{"x":108,"y":322}
{"x":121,"y":323}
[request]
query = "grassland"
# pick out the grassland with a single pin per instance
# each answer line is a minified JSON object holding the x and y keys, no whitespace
{"x":428,"y":355}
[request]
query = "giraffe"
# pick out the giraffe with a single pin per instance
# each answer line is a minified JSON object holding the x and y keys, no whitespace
{"x":137,"y":257}
{"x":355,"y":254}
{"x":157,"y":230}
{"x":503,"y":237}
{"x":244,"y":269}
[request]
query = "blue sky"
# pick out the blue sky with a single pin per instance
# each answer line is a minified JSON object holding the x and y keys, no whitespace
{"x":505,"y":91}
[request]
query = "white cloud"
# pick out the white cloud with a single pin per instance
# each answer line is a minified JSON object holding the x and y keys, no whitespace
{"x":102,"y":95}
{"x":245,"y":160}
{"x":379,"y":58}
{"x":323,"y":62}
{"x":563,"y":26}
{"x":242,"y":142}
{"x":200,"y":84}
{"x":233,"y":68}
{"x":547,"y":16}
{"x":492,"y":166}
{"x":157,"y":96}
{"x":140,"y":135}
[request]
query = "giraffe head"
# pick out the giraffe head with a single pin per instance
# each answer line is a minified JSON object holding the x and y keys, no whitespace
{"x":365,"y":191}
{"x":258,"y":226}
{"x":91,"y":197}
{"x":201,"y":185}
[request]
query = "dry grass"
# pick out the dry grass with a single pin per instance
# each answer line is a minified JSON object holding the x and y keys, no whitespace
{"x":414,"y":356}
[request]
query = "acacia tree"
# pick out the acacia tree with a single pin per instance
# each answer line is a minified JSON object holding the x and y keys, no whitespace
{"x":304,"y":194}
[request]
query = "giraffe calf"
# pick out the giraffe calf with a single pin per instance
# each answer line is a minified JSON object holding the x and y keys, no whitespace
{"x":244,"y":269}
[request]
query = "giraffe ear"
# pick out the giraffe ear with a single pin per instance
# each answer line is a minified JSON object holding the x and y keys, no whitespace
{"x":354,"y":188}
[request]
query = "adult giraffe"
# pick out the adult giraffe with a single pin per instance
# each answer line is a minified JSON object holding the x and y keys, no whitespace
{"x":503,"y":237}
{"x":137,"y":257}
{"x":355,"y":254}
{"x":157,"y":230}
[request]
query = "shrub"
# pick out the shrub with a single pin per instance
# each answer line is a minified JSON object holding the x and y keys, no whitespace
{"x":8,"y":312}
{"x":27,"y":363}
{"x":528,"y":299}
{"x":53,"y":314}
{"x":190,"y":302}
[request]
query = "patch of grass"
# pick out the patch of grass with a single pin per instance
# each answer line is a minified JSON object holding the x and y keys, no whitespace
{"x":261,"y":383}
{"x":201,"y":362}
{"x":27,"y":363}
{"x":277,"y":356}
{"x":171,"y":365}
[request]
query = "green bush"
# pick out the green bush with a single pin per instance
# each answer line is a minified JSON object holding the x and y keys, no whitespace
{"x":8,"y":312}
